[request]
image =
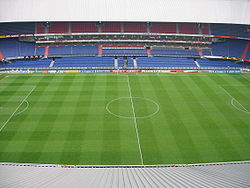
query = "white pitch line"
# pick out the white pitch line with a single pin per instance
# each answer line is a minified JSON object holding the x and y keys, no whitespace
{"x":16,"y":109}
{"x":27,"y":106}
{"x":246,"y":77}
{"x":235,"y":99}
{"x":135,"y":121}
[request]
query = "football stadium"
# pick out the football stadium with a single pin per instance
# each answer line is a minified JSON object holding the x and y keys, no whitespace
{"x":124,"y":93}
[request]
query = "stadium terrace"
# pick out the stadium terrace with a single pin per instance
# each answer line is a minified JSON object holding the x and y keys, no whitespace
{"x":143,"y":102}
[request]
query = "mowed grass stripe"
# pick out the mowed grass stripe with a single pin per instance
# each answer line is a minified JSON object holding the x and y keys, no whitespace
{"x":40,"y":136}
{"x":67,"y":122}
{"x":216,"y":113}
{"x":111,"y":139}
{"x":239,"y":121}
{"x":194,"y":116}
{"x":186,"y":131}
{"x":149,"y":145}
{"x":178,"y":149}
{"x":8,"y":148}
{"x":71,"y":148}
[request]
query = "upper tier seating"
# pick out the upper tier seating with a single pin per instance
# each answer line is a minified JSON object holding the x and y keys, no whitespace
{"x":155,"y":27}
{"x":73,"y":50}
{"x":230,"y":48}
{"x":84,"y":27}
{"x":17,"y":28}
{"x":14,"y":48}
{"x":163,"y":28}
{"x":205,"y":29}
{"x":134,"y":27}
{"x":124,"y":51}
{"x":229,"y":30}
{"x":40,"y":28}
{"x":188,"y":28}
{"x":58,"y":27}
{"x":192,"y":52}
{"x":165,"y":62}
{"x":111,"y":27}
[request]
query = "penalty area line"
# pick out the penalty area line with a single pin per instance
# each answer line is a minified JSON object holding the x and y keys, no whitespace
{"x":246,"y":111}
{"x":135,"y":121}
{"x":2,"y":127}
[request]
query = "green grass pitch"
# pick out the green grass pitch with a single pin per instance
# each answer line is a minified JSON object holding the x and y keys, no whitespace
{"x":124,"y":119}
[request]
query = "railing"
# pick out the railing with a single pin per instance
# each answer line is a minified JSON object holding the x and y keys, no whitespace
{"x":121,"y":68}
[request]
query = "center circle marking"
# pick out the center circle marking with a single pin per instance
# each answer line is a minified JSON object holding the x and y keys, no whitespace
{"x":132,"y":117}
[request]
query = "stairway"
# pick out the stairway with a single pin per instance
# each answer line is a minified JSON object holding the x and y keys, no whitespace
{"x":52,"y":63}
{"x":244,"y":53}
{"x":197,"y":63}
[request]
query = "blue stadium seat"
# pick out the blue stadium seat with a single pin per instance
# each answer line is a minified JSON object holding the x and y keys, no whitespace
{"x":84,"y":62}
{"x":230,"y":48}
{"x":28,"y":64}
{"x":73,"y":50}
{"x":175,"y":52}
{"x":165,"y":62}
{"x":218,"y":63}
{"x":124,"y":51}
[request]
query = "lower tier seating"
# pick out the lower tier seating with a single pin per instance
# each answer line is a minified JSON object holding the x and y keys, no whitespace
{"x":217,"y":63}
{"x":86,"y":61}
{"x":27,"y":64}
{"x":165,"y":62}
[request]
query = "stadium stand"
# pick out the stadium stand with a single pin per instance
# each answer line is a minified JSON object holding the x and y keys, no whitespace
{"x":246,"y":50}
{"x":17,"y":28}
{"x":58,"y":27}
{"x":39,"y":51}
{"x":40,"y":28}
{"x":229,"y":30}
{"x":248,"y":54}
{"x":95,"y":61}
{"x":1,"y":56}
{"x":14,"y":48}
{"x":217,"y":63}
{"x":165,"y":62}
{"x":28,"y":64}
{"x":84,"y":62}
{"x":84,"y":27}
{"x":119,"y":51}
{"x":188,"y":28}
{"x":135,"y":27}
{"x":163,"y":28}
{"x":205,"y":29}
{"x":155,"y":27}
{"x":175,"y":51}
{"x":206,"y":51}
{"x":111,"y":27}
{"x":230,"y":48}
{"x":73,"y":50}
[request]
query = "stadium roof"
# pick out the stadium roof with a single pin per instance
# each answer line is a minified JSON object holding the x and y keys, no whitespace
{"x":212,"y":11}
